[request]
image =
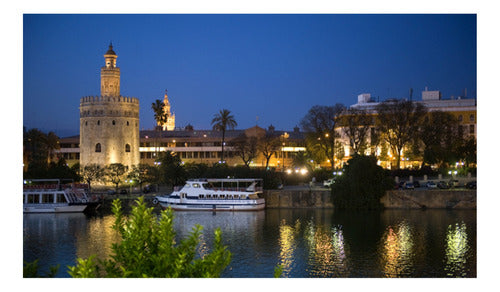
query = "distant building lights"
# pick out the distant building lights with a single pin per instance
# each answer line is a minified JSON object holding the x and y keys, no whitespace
{"x":303,"y":171}
{"x":289,"y":171}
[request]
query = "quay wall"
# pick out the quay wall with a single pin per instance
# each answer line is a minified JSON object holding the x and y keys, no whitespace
{"x":393,"y":199}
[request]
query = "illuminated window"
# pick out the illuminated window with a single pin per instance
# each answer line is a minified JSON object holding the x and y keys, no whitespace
{"x":127,"y":148}
{"x":98,"y":147}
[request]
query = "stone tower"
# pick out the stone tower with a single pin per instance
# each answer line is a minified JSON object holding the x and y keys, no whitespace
{"x":109,"y":123}
{"x":170,"y":124}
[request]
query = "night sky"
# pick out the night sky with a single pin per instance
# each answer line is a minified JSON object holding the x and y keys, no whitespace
{"x":266,"y":69}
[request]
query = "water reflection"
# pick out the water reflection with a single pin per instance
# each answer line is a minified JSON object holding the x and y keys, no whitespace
{"x":287,"y":242}
{"x":457,"y":248}
{"x":398,"y":255}
{"x":307,"y":243}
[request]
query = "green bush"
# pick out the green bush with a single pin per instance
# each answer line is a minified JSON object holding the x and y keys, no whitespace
{"x":148,"y":248}
{"x":361,"y":185}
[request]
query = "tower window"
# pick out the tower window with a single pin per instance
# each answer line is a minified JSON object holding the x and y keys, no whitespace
{"x":127,"y":148}
{"x":98,"y":122}
{"x":86,"y":123}
{"x":98,"y":147}
{"x":113,"y":122}
{"x":127,"y":123}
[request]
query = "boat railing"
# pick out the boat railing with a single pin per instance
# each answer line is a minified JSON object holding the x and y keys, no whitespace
{"x":237,"y":189}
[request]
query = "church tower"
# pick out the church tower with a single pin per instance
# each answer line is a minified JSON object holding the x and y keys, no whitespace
{"x":109,"y":123}
{"x":170,"y":124}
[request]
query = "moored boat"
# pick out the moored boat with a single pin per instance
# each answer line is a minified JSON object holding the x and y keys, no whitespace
{"x":215,"y":195}
{"x":51,"y":196}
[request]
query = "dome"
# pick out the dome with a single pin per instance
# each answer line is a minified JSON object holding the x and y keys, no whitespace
{"x":110,"y":50}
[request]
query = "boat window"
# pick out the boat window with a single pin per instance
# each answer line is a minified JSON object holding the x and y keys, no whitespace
{"x":47,"y":198}
{"x":222,"y":196}
{"x":196,"y":185}
{"x":236,"y":196}
{"x":215,"y":196}
{"x":209,"y":196}
{"x":229,"y":196}
{"x":187,"y":185}
{"x":61,"y":198}
{"x":32,"y":199}
{"x":201,"y":196}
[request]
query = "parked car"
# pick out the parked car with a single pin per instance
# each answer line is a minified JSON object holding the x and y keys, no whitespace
{"x":443,"y":185}
{"x":409,"y":186}
{"x":471,"y":185}
{"x":431,"y":185}
{"x":328,"y":182}
{"x":453,"y":183}
{"x":416,"y":183}
{"x":401,"y":185}
{"x":148,"y":189}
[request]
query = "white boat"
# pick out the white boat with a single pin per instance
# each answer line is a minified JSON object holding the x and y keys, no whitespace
{"x":215,"y":195}
{"x":50,"y":196}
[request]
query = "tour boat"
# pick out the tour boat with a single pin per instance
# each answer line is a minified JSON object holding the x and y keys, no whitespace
{"x":41,"y":197}
{"x":215,"y":195}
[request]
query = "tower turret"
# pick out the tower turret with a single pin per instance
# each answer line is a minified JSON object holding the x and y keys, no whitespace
{"x":110,"y":74}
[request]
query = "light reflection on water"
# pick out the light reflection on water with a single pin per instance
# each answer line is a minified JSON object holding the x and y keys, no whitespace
{"x":307,"y":243}
{"x":457,"y":247}
{"x":398,"y":254}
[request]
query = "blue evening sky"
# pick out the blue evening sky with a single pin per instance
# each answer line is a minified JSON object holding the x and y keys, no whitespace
{"x":271,"y":66}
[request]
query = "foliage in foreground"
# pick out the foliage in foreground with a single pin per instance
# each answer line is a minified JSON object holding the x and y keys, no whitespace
{"x":362,"y":184}
{"x":148,"y":249}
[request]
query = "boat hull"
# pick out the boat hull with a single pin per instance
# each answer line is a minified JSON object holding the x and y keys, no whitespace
{"x":53,"y":208}
{"x":255,"y":205}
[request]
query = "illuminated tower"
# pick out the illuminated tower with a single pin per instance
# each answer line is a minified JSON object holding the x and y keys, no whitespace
{"x":170,"y":124}
{"x":109,"y":123}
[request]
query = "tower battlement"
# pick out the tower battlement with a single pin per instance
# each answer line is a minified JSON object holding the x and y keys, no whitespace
{"x":93,"y":100}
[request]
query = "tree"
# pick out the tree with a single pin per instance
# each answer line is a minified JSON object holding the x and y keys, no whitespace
{"x":268,"y":145}
{"x":149,"y":248}
{"x":361,"y":185}
{"x":320,"y":124}
{"x":161,"y":117}
{"x":467,"y":151}
{"x":246,"y":148}
{"x":356,"y":126}
{"x":221,"y":122}
{"x":170,"y":168}
{"x":115,"y":173}
{"x":399,"y":121}
{"x":438,"y":135}
{"x":52,"y":141}
{"x":142,"y":173}
{"x":92,"y":173}
{"x":302,"y":159}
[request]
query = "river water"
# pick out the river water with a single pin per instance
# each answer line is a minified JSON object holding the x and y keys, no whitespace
{"x":307,"y":243}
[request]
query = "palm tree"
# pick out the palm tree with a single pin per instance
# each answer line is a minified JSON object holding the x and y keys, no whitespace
{"x":221,"y":122}
{"x":161,"y":118}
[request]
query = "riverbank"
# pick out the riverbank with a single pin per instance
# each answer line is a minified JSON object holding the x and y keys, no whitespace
{"x":321,"y":198}
{"x":393,"y":199}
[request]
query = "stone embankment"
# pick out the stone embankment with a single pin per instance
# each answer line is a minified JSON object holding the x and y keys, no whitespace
{"x":393,"y":199}
{"x":298,"y":199}
{"x":433,"y":199}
